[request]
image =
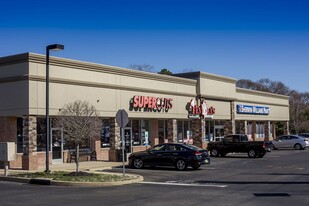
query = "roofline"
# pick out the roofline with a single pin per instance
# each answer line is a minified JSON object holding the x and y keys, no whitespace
{"x":57,"y":61}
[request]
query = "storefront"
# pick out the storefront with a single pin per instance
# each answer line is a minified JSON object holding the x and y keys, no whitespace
{"x":191,"y":108}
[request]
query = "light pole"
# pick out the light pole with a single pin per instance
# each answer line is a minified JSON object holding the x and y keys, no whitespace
{"x":53,"y":47}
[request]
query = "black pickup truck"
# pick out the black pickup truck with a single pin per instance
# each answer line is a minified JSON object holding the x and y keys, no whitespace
{"x":237,"y":143}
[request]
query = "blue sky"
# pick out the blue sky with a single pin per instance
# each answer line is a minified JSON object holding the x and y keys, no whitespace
{"x":242,"y":39}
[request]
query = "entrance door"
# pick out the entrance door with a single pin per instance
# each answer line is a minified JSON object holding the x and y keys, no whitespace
{"x":56,"y":145}
{"x":128,"y":139}
{"x":219,"y":132}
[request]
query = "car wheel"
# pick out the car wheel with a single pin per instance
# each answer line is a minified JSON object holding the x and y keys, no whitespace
{"x":214,"y":153}
{"x":298,"y":147}
{"x":252,"y":153}
{"x":181,"y":164}
{"x":138,"y":163}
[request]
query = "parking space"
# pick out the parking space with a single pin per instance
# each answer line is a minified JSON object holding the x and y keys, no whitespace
{"x":276,"y":166}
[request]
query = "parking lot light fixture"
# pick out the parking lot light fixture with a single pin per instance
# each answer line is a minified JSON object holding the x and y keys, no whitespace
{"x":53,"y":47}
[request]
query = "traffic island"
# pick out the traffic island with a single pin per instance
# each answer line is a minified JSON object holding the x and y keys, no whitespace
{"x":75,"y":179}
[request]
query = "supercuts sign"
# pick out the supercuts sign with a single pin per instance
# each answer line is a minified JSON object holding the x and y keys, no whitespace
{"x":201,"y":111}
{"x":152,"y":103}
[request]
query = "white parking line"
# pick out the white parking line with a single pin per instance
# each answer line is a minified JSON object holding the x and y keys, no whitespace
{"x":183,"y":184}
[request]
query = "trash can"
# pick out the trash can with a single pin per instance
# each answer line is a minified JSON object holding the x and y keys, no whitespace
{"x":120,"y":155}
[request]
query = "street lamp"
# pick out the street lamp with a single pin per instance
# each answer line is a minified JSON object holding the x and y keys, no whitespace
{"x":53,"y":47}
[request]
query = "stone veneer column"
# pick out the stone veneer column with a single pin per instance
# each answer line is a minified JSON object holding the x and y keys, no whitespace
{"x":29,"y":159}
{"x":286,"y":127}
{"x":114,"y":139}
{"x":246,"y":126}
{"x":242,"y":127}
{"x":198,"y":133}
{"x":233,"y":122}
{"x":274,"y":130}
{"x":254,"y":130}
{"x":230,"y":125}
{"x":268,"y":131}
{"x":172,"y":130}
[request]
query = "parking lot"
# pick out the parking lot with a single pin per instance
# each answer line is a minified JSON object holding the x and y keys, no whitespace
{"x":288,"y":165}
{"x":280,"y":178}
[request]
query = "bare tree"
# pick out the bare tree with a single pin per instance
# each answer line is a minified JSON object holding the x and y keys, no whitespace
{"x":80,"y":123}
{"x":142,"y":67}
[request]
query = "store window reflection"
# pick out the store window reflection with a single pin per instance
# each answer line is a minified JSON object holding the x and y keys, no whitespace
{"x":105,"y":134}
{"x":184,"y":133}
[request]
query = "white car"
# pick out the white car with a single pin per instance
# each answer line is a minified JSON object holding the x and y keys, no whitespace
{"x":290,"y":141}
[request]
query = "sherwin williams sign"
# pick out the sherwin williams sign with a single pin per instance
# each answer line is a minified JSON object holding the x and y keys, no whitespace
{"x":256,"y":110}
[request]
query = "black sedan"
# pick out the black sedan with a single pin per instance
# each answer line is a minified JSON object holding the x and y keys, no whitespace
{"x":170,"y":154}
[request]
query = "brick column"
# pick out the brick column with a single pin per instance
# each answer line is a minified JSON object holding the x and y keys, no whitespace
{"x":198,"y":133}
{"x":172,"y":130}
{"x":154,"y":132}
{"x":29,"y":159}
{"x":8,"y":129}
{"x":114,"y":139}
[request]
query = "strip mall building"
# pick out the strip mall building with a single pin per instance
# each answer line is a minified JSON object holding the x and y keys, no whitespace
{"x":194,"y":108}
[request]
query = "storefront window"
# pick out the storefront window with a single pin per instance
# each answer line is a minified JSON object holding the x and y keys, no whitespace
{"x":140,"y":132}
{"x":41,"y":134}
{"x":20,"y":141}
{"x":209,"y":130}
{"x":184,"y":134}
{"x":145,"y":132}
{"x":260,"y":130}
{"x":136,"y":132}
{"x":105,"y":134}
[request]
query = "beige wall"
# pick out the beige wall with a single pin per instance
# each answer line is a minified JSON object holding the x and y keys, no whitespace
{"x":108,"y":89}
{"x":223,"y":110}
{"x":13,"y":89}
{"x":214,"y":86}
{"x":278,"y":104}
{"x":111,"y":88}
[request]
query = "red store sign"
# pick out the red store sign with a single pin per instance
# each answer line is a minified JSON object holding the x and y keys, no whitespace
{"x":154,"y":103}
{"x":201,"y":111}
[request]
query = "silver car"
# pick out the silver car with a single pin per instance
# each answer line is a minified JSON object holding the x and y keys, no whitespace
{"x":290,"y":141}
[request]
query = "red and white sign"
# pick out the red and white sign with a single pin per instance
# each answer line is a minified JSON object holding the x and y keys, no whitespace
{"x":154,"y":103}
{"x":200,"y":111}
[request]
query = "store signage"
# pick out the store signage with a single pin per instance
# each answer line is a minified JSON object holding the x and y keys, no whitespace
{"x":200,"y":111}
{"x":256,"y":110}
{"x":154,"y":103}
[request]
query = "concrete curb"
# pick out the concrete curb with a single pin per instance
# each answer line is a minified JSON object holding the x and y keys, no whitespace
{"x":45,"y":181}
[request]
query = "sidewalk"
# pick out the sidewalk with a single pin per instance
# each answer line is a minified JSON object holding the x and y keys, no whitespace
{"x":83,"y":166}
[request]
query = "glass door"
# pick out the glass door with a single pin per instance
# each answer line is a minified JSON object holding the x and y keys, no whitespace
{"x":56,"y":141}
{"x":219,"y":132}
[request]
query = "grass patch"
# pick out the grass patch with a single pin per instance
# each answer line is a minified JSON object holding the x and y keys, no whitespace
{"x":77,"y":177}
